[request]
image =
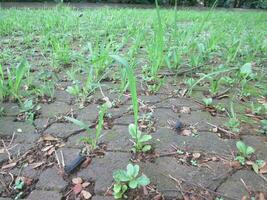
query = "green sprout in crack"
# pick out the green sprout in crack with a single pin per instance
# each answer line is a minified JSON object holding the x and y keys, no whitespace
{"x":128,"y":179}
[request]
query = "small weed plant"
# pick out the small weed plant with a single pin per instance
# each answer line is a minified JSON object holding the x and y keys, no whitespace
{"x":128,"y":179}
{"x":244,"y":152}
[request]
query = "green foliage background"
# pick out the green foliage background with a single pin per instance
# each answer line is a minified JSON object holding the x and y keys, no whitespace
{"x":262,"y":4}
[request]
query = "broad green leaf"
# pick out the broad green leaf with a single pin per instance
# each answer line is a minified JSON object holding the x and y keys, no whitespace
{"x":255,"y":168}
{"x":241,"y":147}
{"x":145,"y":138}
{"x":136,"y":170}
{"x":133,"y":184}
{"x":246,"y":70}
{"x":121,"y":176}
{"x":146,"y":148}
{"x":130,"y":170}
{"x":143,"y":180}
{"x":124,"y":188}
{"x":249,"y":150}
{"x":117,"y":188}
{"x":132,"y":130}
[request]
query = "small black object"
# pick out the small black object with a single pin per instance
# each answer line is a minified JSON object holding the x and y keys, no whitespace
{"x":178,"y":125}
{"x":74,"y":163}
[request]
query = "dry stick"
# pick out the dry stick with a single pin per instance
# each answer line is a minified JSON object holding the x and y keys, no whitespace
{"x":179,"y":184}
{"x":246,"y":187}
{"x":6,"y":150}
{"x":207,"y":189}
{"x":62,"y":158}
{"x":221,"y":129}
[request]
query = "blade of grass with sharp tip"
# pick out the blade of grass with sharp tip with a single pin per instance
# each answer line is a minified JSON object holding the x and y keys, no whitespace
{"x":132,"y":85}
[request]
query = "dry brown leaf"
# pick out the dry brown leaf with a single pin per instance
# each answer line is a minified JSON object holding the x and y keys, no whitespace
{"x":48,"y":138}
{"x":85,"y":184}
{"x":250,"y":163}
{"x":36,"y":165}
{"x":261,"y":196}
{"x":235,"y":164}
{"x":77,"y":180}
{"x":263,"y":170}
{"x":186,"y":132}
{"x":185,"y":109}
{"x":86,"y":195}
{"x":157,"y":197}
{"x":10,"y":165}
{"x":77,"y":188}
{"x":196,"y":155}
{"x":47,"y":148}
{"x":2,"y":150}
{"x":51,"y":151}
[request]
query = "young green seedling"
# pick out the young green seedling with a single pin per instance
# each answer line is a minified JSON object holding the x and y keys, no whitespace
{"x":93,"y":141}
{"x":244,"y":152}
{"x":128,"y":179}
{"x":139,"y":139}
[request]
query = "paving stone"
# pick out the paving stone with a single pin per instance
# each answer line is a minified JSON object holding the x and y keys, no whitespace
{"x":101,"y":169}
{"x":51,"y":180}
{"x":163,"y":115}
{"x":159,"y":173}
{"x":8,"y":127}
{"x":101,"y":198}
{"x":10,"y":109}
{"x":199,"y":120}
{"x":1,"y":198}
{"x":69,"y":154}
{"x":258,"y":143}
{"x":55,"y":109}
{"x":89,"y":113}
{"x":234,"y":188}
{"x":116,"y":112}
{"x":44,"y":195}
{"x":117,"y":138}
{"x":204,"y":142}
{"x":75,"y":140}
{"x":62,"y":130}
{"x":124,"y":120}
{"x":180,"y":102}
{"x":63,"y":96}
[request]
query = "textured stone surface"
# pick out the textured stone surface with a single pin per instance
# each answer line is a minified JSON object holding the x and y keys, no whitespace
{"x":55,"y":109}
{"x":234,"y":188}
{"x":88,"y":114}
{"x":63,"y":96}
{"x":8,"y":127}
{"x":44,"y":195}
{"x":101,"y":198}
{"x":117,"y":138}
{"x":10,"y":109}
{"x":51,"y":180}
{"x":62,"y":130}
{"x":205,"y":142}
{"x":258,"y":143}
{"x":159,"y":173}
{"x":101,"y":169}
{"x":75,"y":140}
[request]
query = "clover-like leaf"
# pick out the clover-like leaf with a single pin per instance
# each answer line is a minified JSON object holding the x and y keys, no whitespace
{"x":146,"y":148}
{"x":121,"y":176}
{"x":145,"y":138}
{"x":133,"y":184}
{"x":117,"y":187}
{"x":143,"y":180}
{"x":249,"y":150}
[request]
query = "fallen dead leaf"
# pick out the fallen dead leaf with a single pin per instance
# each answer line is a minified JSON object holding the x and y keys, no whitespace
{"x":263,"y":170}
{"x":36,"y":165}
{"x":235,"y":164}
{"x":48,"y":138}
{"x":261,"y":196}
{"x":47,"y":148}
{"x":86,"y":162}
{"x":51,"y":151}
{"x":196,"y":155}
{"x":157,"y":197}
{"x":186,"y":132}
{"x":10,"y":165}
{"x":77,"y":180}
{"x":86,"y":195}
{"x":77,"y":188}
{"x":85,"y":184}
{"x":185,"y":109}
{"x":2,"y":150}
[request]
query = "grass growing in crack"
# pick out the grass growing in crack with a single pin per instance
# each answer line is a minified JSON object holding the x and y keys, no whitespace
{"x":13,"y":85}
{"x":93,"y":140}
{"x":128,"y":179}
{"x":140,"y":139}
{"x":244,"y":152}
